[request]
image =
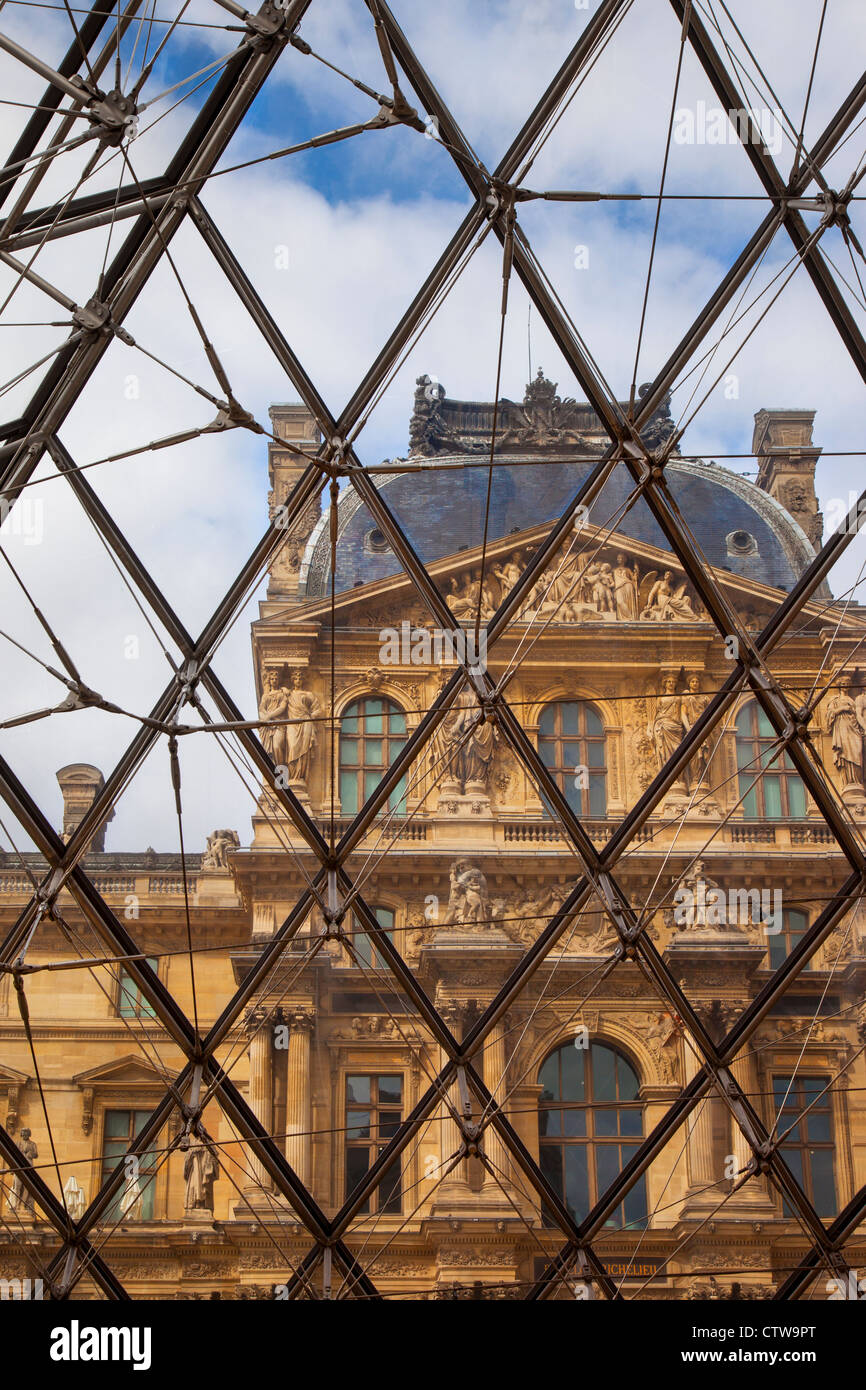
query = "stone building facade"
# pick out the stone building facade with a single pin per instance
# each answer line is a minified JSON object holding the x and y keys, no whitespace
{"x":611,"y":659}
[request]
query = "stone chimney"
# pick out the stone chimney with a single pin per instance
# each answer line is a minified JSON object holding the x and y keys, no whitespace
{"x":786,"y":456}
{"x":80,"y":784}
{"x":294,"y":424}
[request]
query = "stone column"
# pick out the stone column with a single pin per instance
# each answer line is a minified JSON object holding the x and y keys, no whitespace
{"x":494,"y":1072}
{"x":454,"y":1190}
{"x":299,"y":1109}
{"x":753,"y":1193}
{"x":700,"y":1155}
{"x":261,"y":1085}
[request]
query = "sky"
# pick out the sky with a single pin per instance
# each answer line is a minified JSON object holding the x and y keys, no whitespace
{"x":337,"y":240}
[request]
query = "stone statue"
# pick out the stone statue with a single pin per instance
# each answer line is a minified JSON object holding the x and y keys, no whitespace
{"x":626,"y":584}
{"x":200,"y":1172}
{"x":847,"y":735}
{"x":273,"y":706}
{"x":664,"y":603}
{"x":666,"y":728}
{"x":699,"y":901}
{"x":692,"y":706}
{"x":21,"y":1198}
{"x":303,"y":709}
{"x":218,"y":846}
{"x":468,"y":743}
{"x":132,"y":1198}
{"x":74,"y":1198}
{"x":468,"y":902}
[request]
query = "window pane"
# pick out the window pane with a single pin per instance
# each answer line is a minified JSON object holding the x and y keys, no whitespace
{"x":549,"y":1078}
{"x":606,"y":1123}
{"x":349,"y":793}
{"x":796,"y":797}
{"x":626,"y":1080}
{"x":357,"y":1166}
{"x":363,"y":948}
{"x":823,"y":1185}
{"x":358,"y":1124}
{"x":547,"y":752}
{"x":390,"y":1090}
{"x":635,"y":1203}
{"x":594,"y":725}
{"x":749,"y":796}
{"x":819,"y":1127}
{"x":117,"y":1122}
{"x":630,"y":1122}
{"x":576,"y":1180}
{"x":569,"y":718}
{"x":573,"y":1069}
{"x":595,"y":754}
{"x":573,"y":794}
{"x":358,"y":1089}
{"x":603,"y":1075}
{"x":765,"y":728}
{"x":547,"y":722}
{"x":551,"y":1121}
{"x":550,"y":1162}
{"x":373,"y":752}
{"x":597,"y":796}
{"x":772,"y":797}
{"x":390,"y":1189}
{"x":778,"y":951}
{"x":607,"y":1166}
{"x":575,"y":1123}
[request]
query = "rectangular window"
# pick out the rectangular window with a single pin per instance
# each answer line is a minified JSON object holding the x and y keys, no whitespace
{"x":374,"y":1109}
{"x":131,"y":1003}
{"x":134,"y":1202}
{"x":806,"y":1131}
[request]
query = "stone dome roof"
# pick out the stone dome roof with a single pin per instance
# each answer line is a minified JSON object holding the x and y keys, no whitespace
{"x":738,"y":526}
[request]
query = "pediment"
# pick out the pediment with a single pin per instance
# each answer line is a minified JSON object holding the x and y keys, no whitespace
{"x":10,"y":1077}
{"x":122,"y":1071}
{"x":385,"y":602}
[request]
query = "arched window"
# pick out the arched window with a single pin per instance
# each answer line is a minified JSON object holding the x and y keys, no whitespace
{"x":571,"y":746}
{"x":792,"y":926}
{"x":778,"y":794}
{"x":590,"y":1123}
{"x":372,"y":732}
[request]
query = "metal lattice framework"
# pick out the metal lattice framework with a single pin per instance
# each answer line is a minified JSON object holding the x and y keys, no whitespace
{"x":157,"y":208}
